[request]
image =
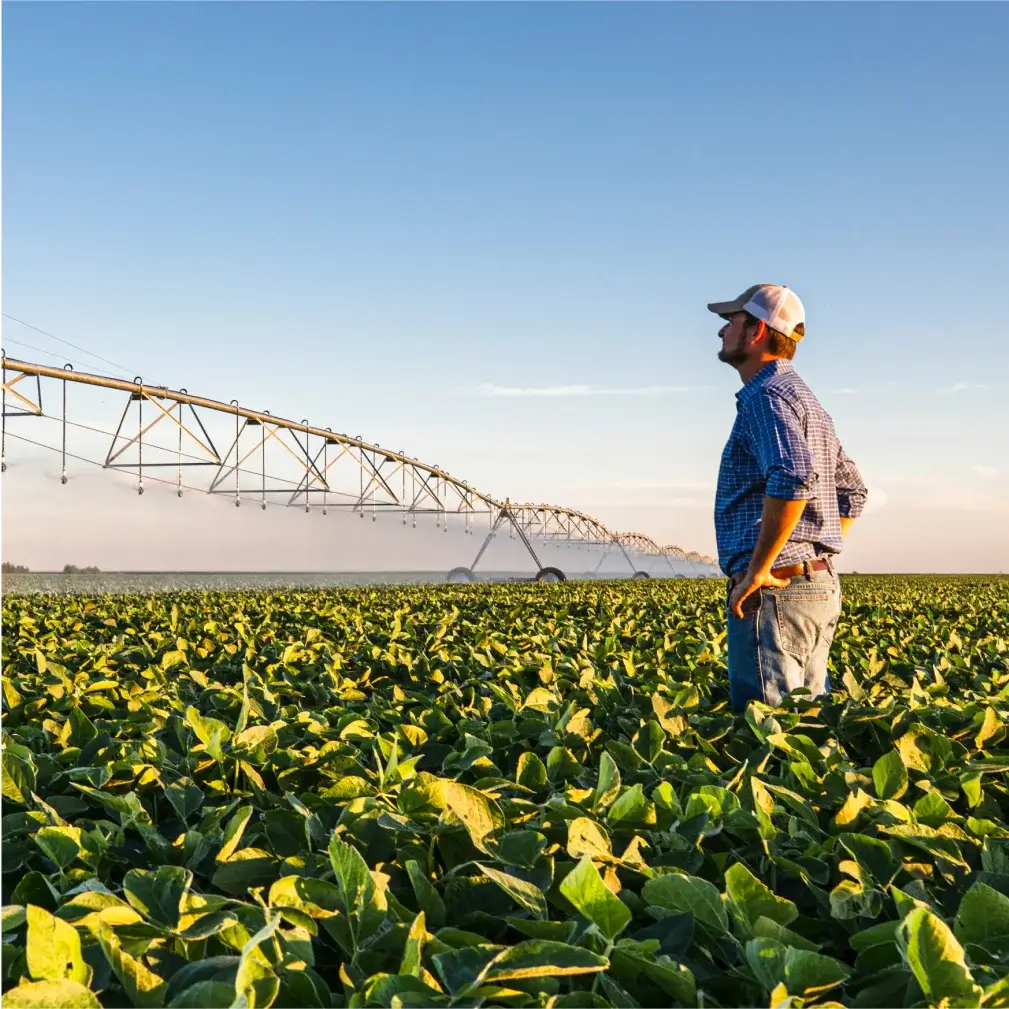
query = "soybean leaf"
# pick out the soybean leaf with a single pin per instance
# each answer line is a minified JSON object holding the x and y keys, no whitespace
{"x":13,"y":917}
{"x":248,"y":867}
{"x":185,"y":797}
{"x":412,"y":962}
{"x":53,"y":949}
{"x":60,"y":844}
{"x":524,"y":894}
{"x":531,"y":771}
{"x":158,"y":894}
{"x":428,"y":898}
{"x":584,"y":888}
{"x":607,"y":784}
{"x":675,"y":979}
{"x":750,"y":898}
{"x":203,"y":994}
{"x":874,"y":854}
{"x":766,"y":958}
{"x":211,"y":732}
{"x":541,"y":958}
{"x":586,"y":837}
{"x":765,"y":928}
{"x":808,"y":975}
{"x":937,"y":959}
{"x":890,"y":776}
{"x":63,"y":994}
{"x":689,"y":894}
{"x":145,"y":989}
{"x":479,"y":814}
{"x":983,"y":918}
{"x":256,"y":984}
{"x":234,"y":831}
{"x":18,"y":777}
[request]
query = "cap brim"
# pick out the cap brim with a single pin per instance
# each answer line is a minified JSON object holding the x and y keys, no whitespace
{"x":724,"y":308}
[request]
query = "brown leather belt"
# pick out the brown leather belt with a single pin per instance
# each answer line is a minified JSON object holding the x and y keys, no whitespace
{"x":792,"y":570}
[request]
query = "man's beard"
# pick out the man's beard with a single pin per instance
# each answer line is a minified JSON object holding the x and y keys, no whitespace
{"x":732,"y":357}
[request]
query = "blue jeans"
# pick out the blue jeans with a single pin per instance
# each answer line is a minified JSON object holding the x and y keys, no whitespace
{"x":783,"y":641}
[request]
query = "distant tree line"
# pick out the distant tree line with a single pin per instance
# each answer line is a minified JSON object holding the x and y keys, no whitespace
{"x":68,"y":569}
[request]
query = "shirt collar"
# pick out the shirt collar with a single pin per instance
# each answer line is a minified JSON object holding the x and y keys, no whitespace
{"x":778,"y":366}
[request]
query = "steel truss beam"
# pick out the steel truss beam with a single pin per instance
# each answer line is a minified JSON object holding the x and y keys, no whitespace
{"x":307,"y":465}
{"x":30,"y":407}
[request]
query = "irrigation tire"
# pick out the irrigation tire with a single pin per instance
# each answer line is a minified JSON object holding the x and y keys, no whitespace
{"x":459,"y":575}
{"x":551,"y":575}
{"x":641,"y":574}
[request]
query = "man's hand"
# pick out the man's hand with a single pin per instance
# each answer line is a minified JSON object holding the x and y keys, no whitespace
{"x":846,"y":524}
{"x":753,"y":582}
{"x":778,"y":519}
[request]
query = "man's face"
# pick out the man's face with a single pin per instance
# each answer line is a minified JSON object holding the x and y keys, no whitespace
{"x":735,"y":334}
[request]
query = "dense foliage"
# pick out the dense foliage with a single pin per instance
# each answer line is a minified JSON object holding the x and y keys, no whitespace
{"x":513,"y":795}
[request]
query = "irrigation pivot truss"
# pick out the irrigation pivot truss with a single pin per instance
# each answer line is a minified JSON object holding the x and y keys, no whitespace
{"x":194,"y":443}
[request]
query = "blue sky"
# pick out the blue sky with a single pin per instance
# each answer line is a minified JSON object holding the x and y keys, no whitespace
{"x":384,"y":217}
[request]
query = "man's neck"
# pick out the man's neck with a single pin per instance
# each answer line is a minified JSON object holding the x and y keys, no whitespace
{"x":752,"y":365}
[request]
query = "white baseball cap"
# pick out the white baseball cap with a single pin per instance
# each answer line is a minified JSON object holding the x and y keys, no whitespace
{"x":773,"y":304}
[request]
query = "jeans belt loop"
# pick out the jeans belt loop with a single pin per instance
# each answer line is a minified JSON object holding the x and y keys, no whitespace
{"x":807,"y":570}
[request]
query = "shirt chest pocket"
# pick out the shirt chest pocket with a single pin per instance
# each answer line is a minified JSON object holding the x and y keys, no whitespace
{"x":737,"y":456}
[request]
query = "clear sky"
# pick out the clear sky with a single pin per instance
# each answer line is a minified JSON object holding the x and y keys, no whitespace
{"x":486,"y":233}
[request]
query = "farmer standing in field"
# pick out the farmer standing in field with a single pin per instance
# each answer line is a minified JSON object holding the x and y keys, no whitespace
{"x":787,"y":495}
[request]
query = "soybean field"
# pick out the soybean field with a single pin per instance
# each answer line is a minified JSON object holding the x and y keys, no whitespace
{"x":516,"y":795}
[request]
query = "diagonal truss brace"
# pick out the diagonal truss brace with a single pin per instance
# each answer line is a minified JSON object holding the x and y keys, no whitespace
{"x":270,"y":432}
{"x":506,"y":515}
{"x":174,"y":413}
{"x":32,"y":408}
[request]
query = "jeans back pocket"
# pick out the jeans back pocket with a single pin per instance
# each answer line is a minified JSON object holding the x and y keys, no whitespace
{"x":803,"y":612}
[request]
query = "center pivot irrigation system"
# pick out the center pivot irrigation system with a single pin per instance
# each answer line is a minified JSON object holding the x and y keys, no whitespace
{"x":165,"y":436}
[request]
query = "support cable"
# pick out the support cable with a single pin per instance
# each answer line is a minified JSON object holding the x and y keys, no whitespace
{"x":66,"y":343}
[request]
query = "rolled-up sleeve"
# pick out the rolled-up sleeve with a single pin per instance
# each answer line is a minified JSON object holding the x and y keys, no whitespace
{"x":779,"y":443}
{"x":851,"y":491}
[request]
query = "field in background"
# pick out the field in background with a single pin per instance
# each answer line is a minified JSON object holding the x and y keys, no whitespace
{"x":514,"y":795}
{"x":222,"y":581}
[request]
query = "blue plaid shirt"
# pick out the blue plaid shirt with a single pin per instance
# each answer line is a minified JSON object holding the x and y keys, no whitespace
{"x":783,"y":444}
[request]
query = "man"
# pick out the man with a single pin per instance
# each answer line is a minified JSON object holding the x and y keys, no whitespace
{"x":787,"y":495}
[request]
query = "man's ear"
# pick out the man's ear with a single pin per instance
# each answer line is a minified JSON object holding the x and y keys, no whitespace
{"x":761,"y":331}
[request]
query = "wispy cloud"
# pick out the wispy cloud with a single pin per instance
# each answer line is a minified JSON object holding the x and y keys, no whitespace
{"x":671,"y":485}
{"x":983,"y":472}
{"x":635,"y":485}
{"x":569,"y":391}
{"x":635,"y":499}
{"x":957,"y":387}
{"x":912,"y":479}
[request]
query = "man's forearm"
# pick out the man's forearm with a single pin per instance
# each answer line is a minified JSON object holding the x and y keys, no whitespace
{"x":777,"y":521}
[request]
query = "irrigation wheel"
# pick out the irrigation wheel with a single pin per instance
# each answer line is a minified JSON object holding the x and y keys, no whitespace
{"x":459,"y":575}
{"x":551,"y":575}
{"x":641,"y":574}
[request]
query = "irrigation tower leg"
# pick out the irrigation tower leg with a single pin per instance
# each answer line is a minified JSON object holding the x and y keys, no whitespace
{"x":506,"y":515}
{"x":486,"y":543}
